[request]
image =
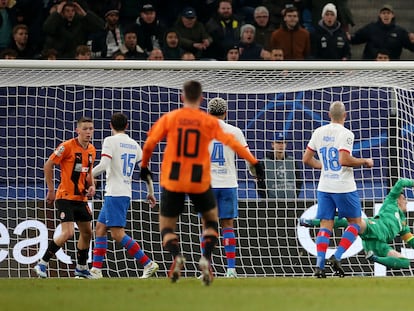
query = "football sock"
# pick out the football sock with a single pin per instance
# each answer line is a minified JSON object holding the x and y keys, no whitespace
{"x":82,"y":255}
{"x":210,"y":243}
{"x":229,"y":242}
{"x":348,"y":237}
{"x":393,"y":262}
{"x":202,"y":245}
{"x":99,"y":252}
{"x":51,"y":251}
{"x":135,"y":250}
{"x":173,"y":247}
{"x":322,"y":243}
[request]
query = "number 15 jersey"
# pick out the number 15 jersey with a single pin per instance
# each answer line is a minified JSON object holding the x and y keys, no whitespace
{"x":328,"y":141}
{"x":186,"y":159}
{"x":124,"y":153}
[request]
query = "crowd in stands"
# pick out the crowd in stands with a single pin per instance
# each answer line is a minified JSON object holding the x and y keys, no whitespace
{"x":192,"y":29}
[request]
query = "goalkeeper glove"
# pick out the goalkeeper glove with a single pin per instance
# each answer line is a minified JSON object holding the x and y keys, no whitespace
{"x":258,"y":171}
{"x":145,"y":174}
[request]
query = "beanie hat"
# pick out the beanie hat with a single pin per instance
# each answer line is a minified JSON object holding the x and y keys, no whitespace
{"x":329,"y":7}
{"x":246,"y":26}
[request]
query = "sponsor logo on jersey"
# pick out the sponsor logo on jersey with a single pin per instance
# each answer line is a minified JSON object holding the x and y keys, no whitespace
{"x":59,"y":151}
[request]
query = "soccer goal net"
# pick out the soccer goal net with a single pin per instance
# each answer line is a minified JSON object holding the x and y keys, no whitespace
{"x":40,"y":102}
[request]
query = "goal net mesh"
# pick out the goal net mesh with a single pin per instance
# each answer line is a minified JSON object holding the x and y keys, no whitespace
{"x":39,"y":108}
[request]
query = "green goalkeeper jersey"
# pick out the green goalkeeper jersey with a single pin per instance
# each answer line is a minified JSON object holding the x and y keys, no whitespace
{"x":390,"y":221}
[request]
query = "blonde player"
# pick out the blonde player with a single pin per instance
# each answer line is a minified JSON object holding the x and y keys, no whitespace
{"x":337,"y":188}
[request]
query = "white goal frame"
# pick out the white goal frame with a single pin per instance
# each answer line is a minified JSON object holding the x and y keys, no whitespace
{"x":269,"y":241}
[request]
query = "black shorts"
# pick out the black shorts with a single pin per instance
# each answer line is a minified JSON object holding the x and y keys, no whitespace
{"x":73,"y":211}
{"x":173,"y":203}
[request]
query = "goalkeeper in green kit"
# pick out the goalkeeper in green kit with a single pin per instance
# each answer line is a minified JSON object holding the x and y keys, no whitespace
{"x":378,"y":231}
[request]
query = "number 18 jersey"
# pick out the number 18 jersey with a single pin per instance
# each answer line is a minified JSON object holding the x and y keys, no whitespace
{"x":124,"y":153}
{"x":328,"y":141}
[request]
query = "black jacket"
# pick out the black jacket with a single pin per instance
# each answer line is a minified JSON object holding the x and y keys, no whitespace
{"x":330,"y":43}
{"x":379,"y":36}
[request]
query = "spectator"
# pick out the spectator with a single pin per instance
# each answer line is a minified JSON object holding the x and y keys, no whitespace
{"x":383,"y":56}
{"x":249,"y":49}
{"x":8,"y":54}
{"x":108,"y":40}
{"x":149,"y":29}
{"x":224,"y":29}
{"x":49,"y":54}
{"x":129,"y":12}
{"x":276,"y":54}
{"x":275,"y":12}
{"x":291,"y":37}
{"x":263,"y":27}
{"x":171,"y":46}
{"x":7,"y":21}
{"x":283,"y":179}
{"x":344,"y":13}
{"x":20,"y":42}
{"x":118,"y":55}
{"x":188,"y":56}
{"x":233,"y":53}
{"x":68,"y":27}
{"x":83,"y":52}
{"x":384,"y":34}
{"x":329,"y":41}
{"x":156,"y":54}
{"x":193,"y":36}
{"x":31,"y":13}
{"x":130,"y":48}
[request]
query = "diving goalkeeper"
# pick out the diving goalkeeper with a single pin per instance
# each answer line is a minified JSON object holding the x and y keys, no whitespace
{"x":378,"y":231}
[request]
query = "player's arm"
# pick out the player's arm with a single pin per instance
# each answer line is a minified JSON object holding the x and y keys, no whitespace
{"x":90,"y":183}
{"x":346,"y":159}
{"x":48,"y":171}
{"x":408,"y":238}
{"x":155,"y":134}
{"x":309,"y":159}
{"x":398,"y":187}
{"x":103,"y":165}
{"x":256,"y":167}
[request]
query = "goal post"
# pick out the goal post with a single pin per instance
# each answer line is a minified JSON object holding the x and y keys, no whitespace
{"x":40,"y":102}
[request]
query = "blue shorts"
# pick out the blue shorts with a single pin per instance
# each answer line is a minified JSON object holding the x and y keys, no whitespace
{"x":226,"y":202}
{"x":347,"y":204}
{"x":114,"y":211}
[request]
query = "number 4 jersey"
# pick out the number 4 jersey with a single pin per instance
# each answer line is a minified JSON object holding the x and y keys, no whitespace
{"x":124,"y":153}
{"x":328,"y":141}
{"x":223,"y":162}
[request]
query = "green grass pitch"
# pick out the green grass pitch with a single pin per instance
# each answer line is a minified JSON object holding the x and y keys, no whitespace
{"x":305,"y":294}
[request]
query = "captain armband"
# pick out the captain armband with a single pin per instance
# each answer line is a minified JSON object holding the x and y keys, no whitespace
{"x":409,"y":239}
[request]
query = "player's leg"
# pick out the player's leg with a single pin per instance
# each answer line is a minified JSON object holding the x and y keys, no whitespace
{"x":325,"y":212}
{"x":382,"y":253}
{"x":349,"y":206}
{"x":65,"y":212}
{"x":101,"y":242}
{"x":228,"y":210}
{"x":172,"y":205}
{"x":83,"y":217}
{"x":205,"y":204}
{"x":310,"y":223}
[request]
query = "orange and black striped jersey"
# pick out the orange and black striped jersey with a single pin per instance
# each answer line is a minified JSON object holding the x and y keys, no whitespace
{"x":186,"y":160}
{"x":75,"y":164}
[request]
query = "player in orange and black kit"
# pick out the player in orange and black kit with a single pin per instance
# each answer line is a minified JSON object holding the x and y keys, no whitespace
{"x":75,"y":158}
{"x":185,"y":170}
